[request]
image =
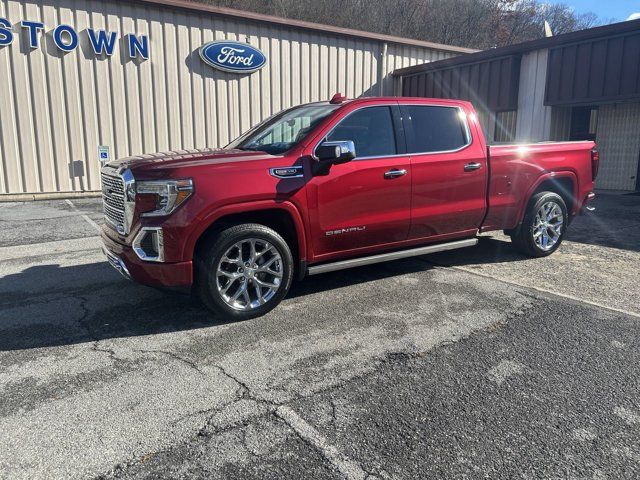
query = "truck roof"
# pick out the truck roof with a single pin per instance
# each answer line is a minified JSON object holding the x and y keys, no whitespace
{"x":439,"y":101}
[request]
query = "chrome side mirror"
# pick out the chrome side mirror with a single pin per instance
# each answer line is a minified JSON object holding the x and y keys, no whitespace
{"x":336,"y":152}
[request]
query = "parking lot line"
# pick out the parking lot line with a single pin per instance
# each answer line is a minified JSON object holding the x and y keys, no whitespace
{"x":86,"y":217}
{"x":540,"y":289}
{"x":347,"y":467}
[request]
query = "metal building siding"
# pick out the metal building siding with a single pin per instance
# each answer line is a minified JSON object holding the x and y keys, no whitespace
{"x":56,"y":108}
{"x":492,"y":85}
{"x":534,"y":119}
{"x":560,"y":124}
{"x":487,"y":121}
{"x":600,"y":70}
{"x":618,"y":139}
{"x":401,"y":56}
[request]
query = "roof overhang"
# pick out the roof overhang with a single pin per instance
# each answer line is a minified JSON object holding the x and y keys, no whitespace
{"x":580,"y":36}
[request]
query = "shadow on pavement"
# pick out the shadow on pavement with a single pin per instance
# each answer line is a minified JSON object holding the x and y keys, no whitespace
{"x":614,"y":224}
{"x":49,"y":305}
{"x":69,"y":305}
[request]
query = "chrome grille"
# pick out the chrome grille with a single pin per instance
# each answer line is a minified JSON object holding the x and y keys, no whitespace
{"x":113,"y":198}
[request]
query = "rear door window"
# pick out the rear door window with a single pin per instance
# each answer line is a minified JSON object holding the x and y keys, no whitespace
{"x":370,"y":129}
{"x":436,"y":128}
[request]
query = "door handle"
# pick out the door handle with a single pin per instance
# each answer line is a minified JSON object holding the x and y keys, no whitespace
{"x":470,"y":167}
{"x":395,"y":173}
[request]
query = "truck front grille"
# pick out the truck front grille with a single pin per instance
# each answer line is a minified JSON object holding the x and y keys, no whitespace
{"x":113,"y":198}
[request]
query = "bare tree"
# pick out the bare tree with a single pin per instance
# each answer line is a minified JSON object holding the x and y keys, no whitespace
{"x":470,"y":23}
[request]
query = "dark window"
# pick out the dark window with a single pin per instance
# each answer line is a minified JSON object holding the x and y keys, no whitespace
{"x":584,"y":123}
{"x":436,"y":129}
{"x":370,"y":129}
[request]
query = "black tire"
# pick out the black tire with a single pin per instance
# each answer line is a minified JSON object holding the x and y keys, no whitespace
{"x":523,"y":237}
{"x":210,"y":255}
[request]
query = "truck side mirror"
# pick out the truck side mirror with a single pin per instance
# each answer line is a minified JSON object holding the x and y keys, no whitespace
{"x":336,"y":152}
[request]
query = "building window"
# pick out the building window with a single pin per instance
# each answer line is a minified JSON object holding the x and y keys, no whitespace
{"x":505,"y":126}
{"x":584,"y":123}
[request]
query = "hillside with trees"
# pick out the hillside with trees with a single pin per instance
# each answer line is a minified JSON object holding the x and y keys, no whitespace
{"x":477,"y":24}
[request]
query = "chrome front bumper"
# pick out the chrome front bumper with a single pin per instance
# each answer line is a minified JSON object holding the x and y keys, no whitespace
{"x":117,"y":263}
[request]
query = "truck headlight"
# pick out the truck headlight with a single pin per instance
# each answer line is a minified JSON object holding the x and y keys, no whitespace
{"x":169,"y":194}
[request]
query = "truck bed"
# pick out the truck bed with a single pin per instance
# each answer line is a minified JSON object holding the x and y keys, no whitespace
{"x":517,"y":170}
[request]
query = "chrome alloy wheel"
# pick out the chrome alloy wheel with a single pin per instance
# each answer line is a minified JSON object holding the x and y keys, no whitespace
{"x":547,"y":227}
{"x":249,"y":274}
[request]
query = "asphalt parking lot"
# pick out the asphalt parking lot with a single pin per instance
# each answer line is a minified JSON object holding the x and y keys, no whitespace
{"x":469,"y":364}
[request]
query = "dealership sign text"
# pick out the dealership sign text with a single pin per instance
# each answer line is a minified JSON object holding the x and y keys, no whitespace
{"x":66,"y":38}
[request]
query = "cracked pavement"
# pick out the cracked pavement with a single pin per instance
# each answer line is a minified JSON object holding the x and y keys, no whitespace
{"x":469,"y":364}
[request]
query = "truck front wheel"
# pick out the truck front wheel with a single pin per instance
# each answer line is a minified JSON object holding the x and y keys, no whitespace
{"x":543,"y":226}
{"x":244,"y":271}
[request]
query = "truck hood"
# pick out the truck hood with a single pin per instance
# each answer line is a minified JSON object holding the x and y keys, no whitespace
{"x":186,"y":158}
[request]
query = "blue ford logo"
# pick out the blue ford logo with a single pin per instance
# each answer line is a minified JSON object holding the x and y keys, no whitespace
{"x":233,"y":56}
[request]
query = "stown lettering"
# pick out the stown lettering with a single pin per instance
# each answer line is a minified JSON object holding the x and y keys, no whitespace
{"x":66,"y":38}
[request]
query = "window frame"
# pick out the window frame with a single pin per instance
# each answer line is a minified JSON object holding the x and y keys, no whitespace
{"x":398,"y":131}
{"x":410,"y":136}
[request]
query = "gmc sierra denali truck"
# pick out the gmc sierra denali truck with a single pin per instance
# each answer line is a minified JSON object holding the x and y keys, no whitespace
{"x":333,"y":185}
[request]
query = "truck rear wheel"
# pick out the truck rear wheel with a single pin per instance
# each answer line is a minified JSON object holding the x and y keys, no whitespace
{"x":543,"y":226}
{"x":244,"y":271}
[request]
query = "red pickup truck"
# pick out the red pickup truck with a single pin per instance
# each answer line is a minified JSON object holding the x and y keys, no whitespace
{"x":332,"y":185}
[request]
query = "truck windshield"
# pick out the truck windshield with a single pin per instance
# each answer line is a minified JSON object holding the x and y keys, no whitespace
{"x":284,"y":130}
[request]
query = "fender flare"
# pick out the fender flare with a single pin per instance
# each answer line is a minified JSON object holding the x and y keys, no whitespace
{"x":539,"y":181}
{"x":245,"y":207}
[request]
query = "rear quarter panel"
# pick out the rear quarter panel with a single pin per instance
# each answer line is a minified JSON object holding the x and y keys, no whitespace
{"x":518,"y":170}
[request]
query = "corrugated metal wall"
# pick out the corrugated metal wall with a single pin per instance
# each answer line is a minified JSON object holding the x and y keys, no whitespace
{"x":602,"y":70}
{"x":492,"y":84}
{"x":534,"y":119}
{"x":560,"y":124}
{"x":505,"y":126}
{"x":618,"y":138}
{"x":55,"y":108}
{"x":487,"y":121}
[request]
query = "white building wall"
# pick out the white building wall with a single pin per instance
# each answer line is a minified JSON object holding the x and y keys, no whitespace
{"x":533,"y":118}
{"x":56,"y":108}
{"x":618,"y":139}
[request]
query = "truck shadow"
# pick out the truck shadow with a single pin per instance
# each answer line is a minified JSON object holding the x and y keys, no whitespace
{"x":52,"y":305}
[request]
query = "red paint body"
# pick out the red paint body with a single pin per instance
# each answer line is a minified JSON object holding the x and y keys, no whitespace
{"x":436,"y":200}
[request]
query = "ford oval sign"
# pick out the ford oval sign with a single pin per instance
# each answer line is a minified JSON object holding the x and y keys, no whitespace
{"x":233,"y":56}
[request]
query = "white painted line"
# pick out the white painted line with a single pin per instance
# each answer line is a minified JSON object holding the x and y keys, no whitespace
{"x":86,"y":217}
{"x":350,"y":469}
{"x":544,"y":290}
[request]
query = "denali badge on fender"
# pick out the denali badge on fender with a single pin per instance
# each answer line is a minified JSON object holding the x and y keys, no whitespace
{"x":286,"y":172}
{"x":340,"y":231}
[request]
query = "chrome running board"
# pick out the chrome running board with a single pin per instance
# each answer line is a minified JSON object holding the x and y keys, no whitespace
{"x":386,"y":257}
